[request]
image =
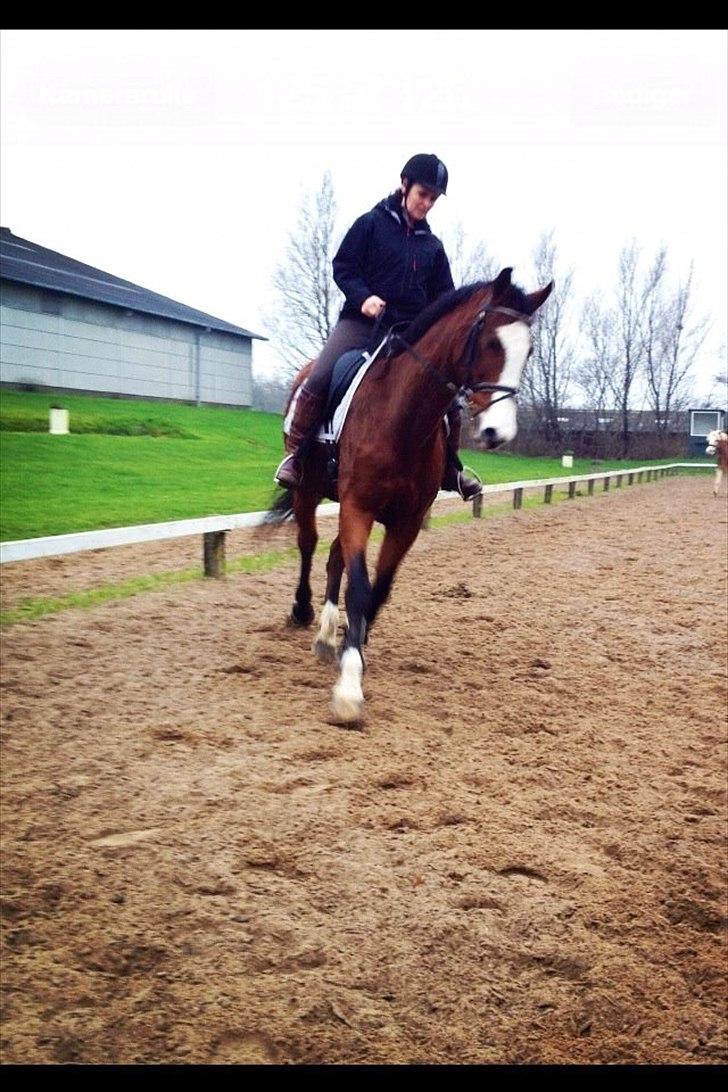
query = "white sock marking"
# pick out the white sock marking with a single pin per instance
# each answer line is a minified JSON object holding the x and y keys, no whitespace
{"x":348,"y":697}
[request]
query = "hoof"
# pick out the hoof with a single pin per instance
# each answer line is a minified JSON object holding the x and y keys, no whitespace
{"x":347,"y":710}
{"x":301,"y":618}
{"x":323,"y":652}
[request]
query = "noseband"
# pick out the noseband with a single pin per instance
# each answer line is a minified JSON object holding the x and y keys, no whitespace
{"x":467,"y":387}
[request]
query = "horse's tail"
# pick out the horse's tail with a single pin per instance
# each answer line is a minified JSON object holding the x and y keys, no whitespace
{"x":280,"y":510}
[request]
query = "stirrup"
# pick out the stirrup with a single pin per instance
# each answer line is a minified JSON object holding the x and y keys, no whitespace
{"x":470,"y":485}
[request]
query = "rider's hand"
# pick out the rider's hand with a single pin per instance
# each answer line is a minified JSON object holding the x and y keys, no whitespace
{"x":373,"y":306}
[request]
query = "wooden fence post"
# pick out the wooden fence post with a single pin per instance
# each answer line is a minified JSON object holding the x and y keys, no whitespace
{"x":517,"y":498}
{"x":547,"y":493}
{"x":590,"y":486}
{"x":572,"y":489}
{"x":478,"y":506}
{"x":213,"y":553}
{"x":606,"y":483}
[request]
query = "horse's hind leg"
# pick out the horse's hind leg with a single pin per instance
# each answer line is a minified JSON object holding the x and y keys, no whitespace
{"x":325,"y":644}
{"x":302,"y":613}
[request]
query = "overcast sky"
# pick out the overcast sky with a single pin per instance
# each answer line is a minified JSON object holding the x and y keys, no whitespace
{"x":178,"y":159}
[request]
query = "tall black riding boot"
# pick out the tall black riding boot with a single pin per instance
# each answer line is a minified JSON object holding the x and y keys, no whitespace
{"x":307,"y":416}
{"x":454,"y":479}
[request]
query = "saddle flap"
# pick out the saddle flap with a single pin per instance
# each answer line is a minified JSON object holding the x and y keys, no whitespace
{"x":349,"y":371}
{"x":344,"y":371}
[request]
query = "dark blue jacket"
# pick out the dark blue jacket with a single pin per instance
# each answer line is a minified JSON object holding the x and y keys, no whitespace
{"x":380,"y":255}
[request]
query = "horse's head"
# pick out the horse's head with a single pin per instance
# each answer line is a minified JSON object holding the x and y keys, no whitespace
{"x":713,"y":439}
{"x":479,"y":338}
{"x":501,"y":348}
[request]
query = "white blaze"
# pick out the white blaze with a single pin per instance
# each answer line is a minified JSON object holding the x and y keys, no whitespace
{"x":516,"y":341}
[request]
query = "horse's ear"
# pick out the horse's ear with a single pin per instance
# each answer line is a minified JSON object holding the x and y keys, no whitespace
{"x":538,"y":297}
{"x":501,"y":283}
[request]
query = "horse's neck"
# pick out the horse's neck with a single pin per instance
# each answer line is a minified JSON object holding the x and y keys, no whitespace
{"x":414,"y":400}
{"x":421,"y":367}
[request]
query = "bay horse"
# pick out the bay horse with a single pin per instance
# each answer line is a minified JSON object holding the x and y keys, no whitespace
{"x":718,"y":446}
{"x":471,"y":342}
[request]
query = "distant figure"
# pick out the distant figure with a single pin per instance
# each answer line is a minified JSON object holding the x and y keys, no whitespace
{"x":718,"y":446}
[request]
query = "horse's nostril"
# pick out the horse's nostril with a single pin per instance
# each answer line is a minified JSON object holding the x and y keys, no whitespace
{"x":490,"y":437}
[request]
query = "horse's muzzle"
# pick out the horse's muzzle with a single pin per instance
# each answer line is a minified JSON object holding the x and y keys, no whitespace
{"x":491,"y":438}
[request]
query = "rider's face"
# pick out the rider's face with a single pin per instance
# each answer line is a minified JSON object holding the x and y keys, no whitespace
{"x":419,"y":201}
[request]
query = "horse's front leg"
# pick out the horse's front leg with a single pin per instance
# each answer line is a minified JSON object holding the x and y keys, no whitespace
{"x":325,"y":644}
{"x":397,"y":542}
{"x":302,"y":613}
{"x":354,"y":530}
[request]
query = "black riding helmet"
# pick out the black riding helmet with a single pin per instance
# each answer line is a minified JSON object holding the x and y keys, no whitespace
{"x":428,"y":170}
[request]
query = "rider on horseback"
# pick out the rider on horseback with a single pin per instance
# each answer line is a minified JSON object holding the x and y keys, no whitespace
{"x":389,"y":259}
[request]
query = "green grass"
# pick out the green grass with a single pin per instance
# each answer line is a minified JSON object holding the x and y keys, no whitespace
{"x":202,"y":461}
{"x":128,"y":462}
{"x":26,"y":610}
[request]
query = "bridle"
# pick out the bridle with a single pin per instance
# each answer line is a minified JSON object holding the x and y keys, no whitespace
{"x":468,"y":388}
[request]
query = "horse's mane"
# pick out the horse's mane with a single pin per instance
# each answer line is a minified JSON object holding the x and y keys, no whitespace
{"x":514,"y":298}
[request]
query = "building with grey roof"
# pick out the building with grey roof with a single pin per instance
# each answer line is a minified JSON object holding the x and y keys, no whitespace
{"x":66,"y":326}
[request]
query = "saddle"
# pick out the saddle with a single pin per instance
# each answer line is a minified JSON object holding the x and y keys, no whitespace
{"x":343,"y":375}
{"x":349,"y":370}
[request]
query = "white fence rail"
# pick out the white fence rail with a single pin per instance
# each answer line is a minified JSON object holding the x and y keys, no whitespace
{"x":214,"y":528}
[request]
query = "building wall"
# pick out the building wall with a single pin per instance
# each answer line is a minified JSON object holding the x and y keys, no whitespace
{"x":48,"y":339}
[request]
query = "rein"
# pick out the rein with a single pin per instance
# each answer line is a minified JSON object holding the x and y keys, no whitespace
{"x":467,"y":387}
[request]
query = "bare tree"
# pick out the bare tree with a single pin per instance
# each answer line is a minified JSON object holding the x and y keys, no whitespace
{"x":307,"y":299}
{"x":469,"y":266}
{"x":271,"y":395}
{"x":548,"y":374}
{"x":593,"y":373}
{"x":718,"y":392}
{"x":635,"y":300}
{"x":652,"y":322}
{"x":721,"y":378}
{"x":671,"y":346}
